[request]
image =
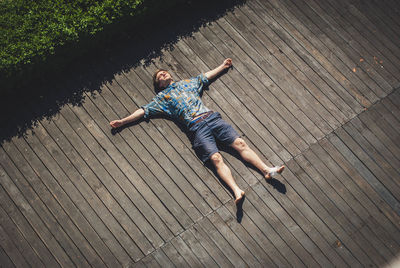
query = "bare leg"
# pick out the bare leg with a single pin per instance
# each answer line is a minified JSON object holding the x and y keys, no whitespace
{"x":250,"y":156}
{"x":225,"y":174}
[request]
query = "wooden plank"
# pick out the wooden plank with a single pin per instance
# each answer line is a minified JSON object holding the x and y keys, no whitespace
{"x":121,"y":166}
{"x":391,"y":107}
{"x":375,"y":62}
{"x":59,"y":242}
{"x":34,"y":228}
{"x":327,"y":74}
{"x":371,"y":74}
{"x":295,"y":222}
{"x":227,"y":248}
{"x":365,"y":209}
{"x":308,"y":221}
{"x":377,"y":15}
{"x":384,"y":125}
{"x":312,"y":93}
{"x":276,"y":253}
{"x":297,"y":54}
{"x":261,"y":255}
{"x":380,"y":133}
{"x":113,"y":187}
{"x":18,"y":239}
{"x":14,"y":257}
{"x":197,"y":249}
{"x":118,"y":165}
{"x":366,"y":39}
{"x":161,"y":258}
{"x":383,"y":167}
{"x":298,"y":31}
{"x":4,"y":259}
{"x":53,"y":215}
{"x":174,"y":255}
{"x":98,"y":154}
{"x":379,"y":205}
{"x":365,"y":173}
{"x":395,"y":97}
{"x":325,"y":209}
{"x":370,"y":77}
{"x":271,"y":119}
{"x":374,"y":141}
{"x":330,"y":224}
{"x":369,"y":29}
{"x":73,"y":166}
{"x":138,"y":264}
{"x":273,"y":230}
{"x":341,"y":207}
{"x":272,"y":92}
{"x":390,"y":111}
{"x":277,"y":72}
{"x":95,"y":211}
{"x":390,"y":9}
{"x":386,"y":114}
{"x":378,"y":172}
{"x":121,"y":154}
{"x":218,"y":256}
{"x":26,"y":229}
{"x":373,"y":153}
{"x":71,"y":173}
{"x":60,"y":168}
{"x":150,"y":261}
{"x":258,"y":79}
{"x":231,"y":238}
{"x":361,"y":85}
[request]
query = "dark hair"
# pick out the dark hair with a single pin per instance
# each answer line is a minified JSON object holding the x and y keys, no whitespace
{"x":156,"y":85}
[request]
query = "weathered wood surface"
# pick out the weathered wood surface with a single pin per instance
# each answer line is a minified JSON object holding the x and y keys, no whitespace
{"x":314,"y":86}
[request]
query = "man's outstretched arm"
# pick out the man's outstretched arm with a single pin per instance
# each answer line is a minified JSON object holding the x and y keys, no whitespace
{"x":139,"y":113}
{"x":213,"y":73}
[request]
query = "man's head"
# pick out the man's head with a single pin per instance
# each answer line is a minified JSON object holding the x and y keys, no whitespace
{"x":161,"y":79}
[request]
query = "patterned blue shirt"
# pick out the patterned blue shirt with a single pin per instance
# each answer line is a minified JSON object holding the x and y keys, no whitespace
{"x":180,"y":100}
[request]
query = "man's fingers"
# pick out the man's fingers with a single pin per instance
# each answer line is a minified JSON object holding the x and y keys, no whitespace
{"x":114,"y":123}
{"x":228,"y":63}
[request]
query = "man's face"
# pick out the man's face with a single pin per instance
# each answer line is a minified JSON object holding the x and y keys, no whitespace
{"x":164,"y":79}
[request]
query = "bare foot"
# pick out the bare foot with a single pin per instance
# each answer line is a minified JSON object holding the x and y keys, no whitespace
{"x":273,"y":171}
{"x":239,"y":196}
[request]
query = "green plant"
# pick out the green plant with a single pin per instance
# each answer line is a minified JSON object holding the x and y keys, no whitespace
{"x":32,"y":32}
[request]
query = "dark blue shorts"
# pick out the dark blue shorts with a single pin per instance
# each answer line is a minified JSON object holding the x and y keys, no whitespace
{"x":208,"y":131}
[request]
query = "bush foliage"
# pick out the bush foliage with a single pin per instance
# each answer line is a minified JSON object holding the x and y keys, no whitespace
{"x":33,"y":31}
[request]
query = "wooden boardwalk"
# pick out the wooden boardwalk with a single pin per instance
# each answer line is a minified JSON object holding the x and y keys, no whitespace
{"x":314,"y":86}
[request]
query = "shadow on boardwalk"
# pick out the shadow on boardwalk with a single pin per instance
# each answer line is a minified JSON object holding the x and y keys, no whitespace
{"x":43,"y":99}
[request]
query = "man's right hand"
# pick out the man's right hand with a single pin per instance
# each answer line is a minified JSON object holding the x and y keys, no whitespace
{"x":116,"y":123}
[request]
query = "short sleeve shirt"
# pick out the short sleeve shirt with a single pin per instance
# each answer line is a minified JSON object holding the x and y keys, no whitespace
{"x":180,"y":100}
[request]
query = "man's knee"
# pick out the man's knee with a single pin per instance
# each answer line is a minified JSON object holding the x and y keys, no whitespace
{"x":240,"y":145}
{"x":216,"y":159}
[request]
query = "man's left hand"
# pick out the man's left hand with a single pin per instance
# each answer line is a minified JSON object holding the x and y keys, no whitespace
{"x":227,"y":63}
